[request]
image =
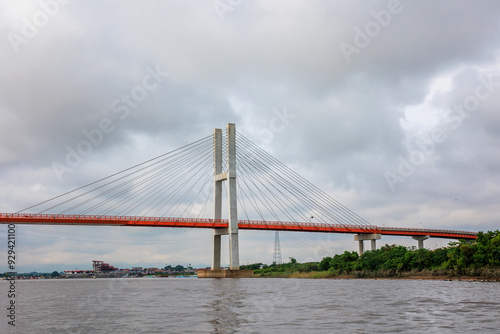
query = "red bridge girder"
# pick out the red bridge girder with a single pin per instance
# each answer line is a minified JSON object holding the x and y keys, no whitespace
{"x":96,"y":220}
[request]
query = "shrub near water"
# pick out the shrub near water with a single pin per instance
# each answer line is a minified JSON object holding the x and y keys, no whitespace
{"x":463,"y":258}
{"x":480,"y":257}
{"x":284,"y":269}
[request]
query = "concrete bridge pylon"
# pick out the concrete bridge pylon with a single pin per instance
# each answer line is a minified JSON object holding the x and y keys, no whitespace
{"x":219,"y":178}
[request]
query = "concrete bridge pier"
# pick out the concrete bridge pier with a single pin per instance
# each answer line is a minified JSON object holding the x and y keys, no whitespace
{"x":420,"y":239}
{"x":362,"y":237}
{"x":232,"y":229}
{"x":234,"y":256}
{"x":230,"y":178}
{"x":216,"y":235}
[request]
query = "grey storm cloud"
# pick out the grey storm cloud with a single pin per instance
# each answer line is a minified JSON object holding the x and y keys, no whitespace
{"x":351,"y":118}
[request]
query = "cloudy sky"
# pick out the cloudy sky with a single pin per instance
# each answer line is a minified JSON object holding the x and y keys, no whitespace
{"x":390,"y":107}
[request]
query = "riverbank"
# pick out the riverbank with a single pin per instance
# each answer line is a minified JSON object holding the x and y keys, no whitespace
{"x":477,"y":260}
{"x":492,"y":276}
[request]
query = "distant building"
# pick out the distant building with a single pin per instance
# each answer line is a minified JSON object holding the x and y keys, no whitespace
{"x":101,"y":267}
{"x":78,"y":272}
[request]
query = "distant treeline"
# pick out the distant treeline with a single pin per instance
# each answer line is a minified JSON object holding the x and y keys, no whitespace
{"x":480,"y":257}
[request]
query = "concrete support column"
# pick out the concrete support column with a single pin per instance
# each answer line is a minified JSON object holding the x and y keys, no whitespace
{"x":234,"y":261}
{"x":420,"y":239}
{"x":216,"y":254}
{"x":361,"y":237}
{"x":216,"y":242}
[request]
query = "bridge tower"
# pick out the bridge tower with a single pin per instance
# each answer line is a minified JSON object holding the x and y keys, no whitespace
{"x":230,"y":177}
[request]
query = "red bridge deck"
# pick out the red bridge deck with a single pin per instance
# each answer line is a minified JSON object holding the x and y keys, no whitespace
{"x":57,"y":219}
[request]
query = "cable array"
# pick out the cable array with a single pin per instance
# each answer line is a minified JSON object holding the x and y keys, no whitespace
{"x":174,"y":184}
{"x":270,"y":190}
{"x":180,"y":184}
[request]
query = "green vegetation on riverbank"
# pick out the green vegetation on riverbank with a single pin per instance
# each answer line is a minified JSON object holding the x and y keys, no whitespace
{"x":478,"y":258}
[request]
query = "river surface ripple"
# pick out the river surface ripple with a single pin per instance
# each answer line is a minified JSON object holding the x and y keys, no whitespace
{"x":252,"y":305}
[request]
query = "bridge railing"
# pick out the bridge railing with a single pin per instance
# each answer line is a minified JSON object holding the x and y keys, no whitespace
{"x":174,"y":219}
{"x":308,"y":225}
{"x":106,"y":217}
{"x":321,"y":225}
{"x":183,"y":220}
{"x":426,"y":230}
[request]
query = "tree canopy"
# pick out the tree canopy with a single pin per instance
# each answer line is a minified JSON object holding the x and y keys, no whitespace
{"x":461,"y":257}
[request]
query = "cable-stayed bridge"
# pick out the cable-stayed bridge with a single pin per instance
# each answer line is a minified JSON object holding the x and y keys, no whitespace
{"x":183,"y":187}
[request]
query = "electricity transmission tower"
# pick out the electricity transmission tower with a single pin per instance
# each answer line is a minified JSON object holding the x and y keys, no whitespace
{"x":277,"y":249}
